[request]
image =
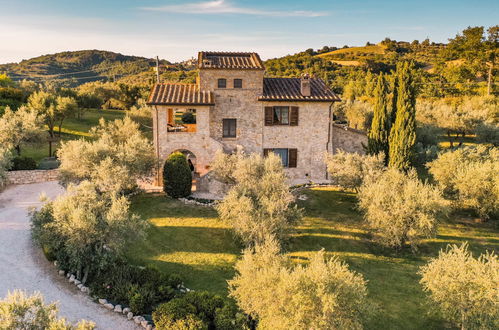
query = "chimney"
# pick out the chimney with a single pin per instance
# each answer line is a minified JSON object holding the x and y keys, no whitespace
{"x":305,"y":85}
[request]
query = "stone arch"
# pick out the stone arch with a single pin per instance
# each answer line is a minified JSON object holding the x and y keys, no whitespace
{"x":190,"y":156}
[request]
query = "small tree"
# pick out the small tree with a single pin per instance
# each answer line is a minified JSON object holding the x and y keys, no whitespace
{"x":177,"y":176}
{"x":116,"y":159}
{"x":19,"y":127}
{"x":351,"y":170}
{"x":84,"y":228}
{"x":324,"y":294}
{"x":464,"y":289}
{"x":259,"y":204}
{"x":20,"y":311}
{"x":403,"y":132}
{"x":400,"y":209}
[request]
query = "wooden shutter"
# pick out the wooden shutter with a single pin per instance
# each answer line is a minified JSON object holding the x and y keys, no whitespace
{"x":269,"y":116}
{"x":293,"y":117}
{"x":266,"y":152}
{"x":292,"y":157}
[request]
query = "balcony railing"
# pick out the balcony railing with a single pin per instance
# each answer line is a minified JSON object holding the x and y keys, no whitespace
{"x":186,"y":128}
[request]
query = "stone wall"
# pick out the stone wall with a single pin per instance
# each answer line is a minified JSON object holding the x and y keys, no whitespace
{"x":348,"y":139}
{"x":32,"y":176}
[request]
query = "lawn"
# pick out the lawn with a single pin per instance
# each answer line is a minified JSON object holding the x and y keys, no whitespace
{"x":191,"y":241}
{"x":72,"y":128}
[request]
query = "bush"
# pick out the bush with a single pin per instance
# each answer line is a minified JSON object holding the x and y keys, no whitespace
{"x":488,"y":133}
{"x":177,"y":176}
{"x":259,"y":205}
{"x":324,"y":294}
{"x":188,"y":118}
{"x":206,"y":310}
{"x":400,"y":209}
{"x":464,"y":289}
{"x":23,"y":163}
{"x":5,"y":163}
{"x":350,"y":170}
{"x":19,"y":311}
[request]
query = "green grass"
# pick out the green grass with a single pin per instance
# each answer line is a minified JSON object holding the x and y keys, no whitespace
{"x":72,"y":128}
{"x":190,"y":241}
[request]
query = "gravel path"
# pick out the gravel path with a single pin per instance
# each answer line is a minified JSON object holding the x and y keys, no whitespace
{"x":23,"y":265}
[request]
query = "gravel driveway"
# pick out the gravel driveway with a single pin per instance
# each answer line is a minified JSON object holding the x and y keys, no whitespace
{"x":23,"y":266}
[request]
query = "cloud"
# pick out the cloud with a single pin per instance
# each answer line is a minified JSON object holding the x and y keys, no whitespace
{"x":224,"y":7}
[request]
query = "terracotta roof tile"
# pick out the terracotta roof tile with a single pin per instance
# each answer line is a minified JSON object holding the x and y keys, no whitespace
{"x":178,"y":94}
{"x":289,"y":89}
{"x":229,"y":60}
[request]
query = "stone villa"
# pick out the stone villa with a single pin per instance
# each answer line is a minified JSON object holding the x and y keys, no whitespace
{"x":234,"y":106}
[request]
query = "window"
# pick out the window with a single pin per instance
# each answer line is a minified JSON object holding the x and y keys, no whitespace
{"x":238,"y":83}
{"x":289,"y":157}
{"x":281,"y":115}
{"x":229,"y":127}
{"x":222,"y":83}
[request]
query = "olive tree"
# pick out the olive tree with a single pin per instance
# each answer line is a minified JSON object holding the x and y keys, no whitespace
{"x":19,"y":127}
{"x":20,"y":311}
{"x":470,"y":177}
{"x":84,"y":227}
{"x":464,"y":289}
{"x":260,"y":203}
{"x":400,"y":209}
{"x":118,"y":156}
{"x":351,"y":170}
{"x":324,"y":294}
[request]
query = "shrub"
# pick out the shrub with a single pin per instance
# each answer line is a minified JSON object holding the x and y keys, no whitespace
{"x":201,"y":307}
{"x":488,"y":133}
{"x":400,"y":209}
{"x":464,"y":289}
{"x":177,"y":176}
{"x":188,"y":118}
{"x":5,"y":163}
{"x":350,"y":170}
{"x":324,"y":294}
{"x":260,"y":203}
{"x":19,"y":311}
{"x":23,"y":163}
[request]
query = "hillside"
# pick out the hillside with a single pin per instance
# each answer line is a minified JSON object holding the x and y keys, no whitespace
{"x":77,"y":67}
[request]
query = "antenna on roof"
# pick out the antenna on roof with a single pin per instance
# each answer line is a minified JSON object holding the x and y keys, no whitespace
{"x":157,"y":69}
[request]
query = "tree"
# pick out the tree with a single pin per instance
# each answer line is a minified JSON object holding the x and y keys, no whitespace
{"x":403,"y":132}
{"x":19,"y":127}
{"x":323,"y":294}
{"x":464,"y":289}
{"x":351,"y":170}
{"x":379,"y":133}
{"x":84,"y":228}
{"x":142,"y":114}
{"x":20,"y":311}
{"x":260,"y":203}
{"x":400,"y":209}
{"x":44,"y":104}
{"x":177,"y":176}
{"x":470,"y":177}
{"x":65,"y":106}
{"x":118,"y":156}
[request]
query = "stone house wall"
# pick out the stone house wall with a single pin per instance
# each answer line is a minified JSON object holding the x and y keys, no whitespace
{"x":348,"y":139}
{"x":32,"y":176}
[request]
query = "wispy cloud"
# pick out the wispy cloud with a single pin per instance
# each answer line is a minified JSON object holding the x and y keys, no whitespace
{"x":225,"y":7}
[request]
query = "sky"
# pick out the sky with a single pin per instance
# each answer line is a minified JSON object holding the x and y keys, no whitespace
{"x":176,"y":30}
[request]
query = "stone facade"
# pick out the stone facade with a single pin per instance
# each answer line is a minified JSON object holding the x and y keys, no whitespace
{"x":348,"y":139}
{"x":32,"y":176}
{"x":311,"y":137}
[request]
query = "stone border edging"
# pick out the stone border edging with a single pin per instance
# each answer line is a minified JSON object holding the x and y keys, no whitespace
{"x":31,"y":176}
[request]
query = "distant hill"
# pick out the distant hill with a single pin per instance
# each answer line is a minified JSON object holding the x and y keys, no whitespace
{"x":355,"y":51}
{"x":77,"y":67}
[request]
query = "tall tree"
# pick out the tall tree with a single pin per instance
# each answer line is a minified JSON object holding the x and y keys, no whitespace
{"x":403,"y":132}
{"x":382,"y":122}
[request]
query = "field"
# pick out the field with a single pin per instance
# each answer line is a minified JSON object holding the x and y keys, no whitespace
{"x":72,"y":128}
{"x":192,"y":242}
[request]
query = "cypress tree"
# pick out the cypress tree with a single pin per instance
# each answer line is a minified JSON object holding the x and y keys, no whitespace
{"x":382,"y":121}
{"x":403,"y":132}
